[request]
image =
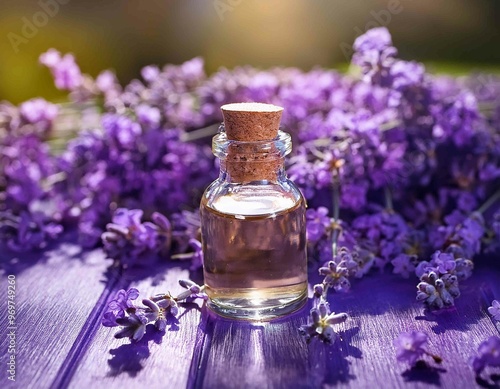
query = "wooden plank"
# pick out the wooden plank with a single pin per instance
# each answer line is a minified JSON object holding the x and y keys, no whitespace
{"x":155,"y":361}
{"x":55,"y":293}
{"x":381,"y":307}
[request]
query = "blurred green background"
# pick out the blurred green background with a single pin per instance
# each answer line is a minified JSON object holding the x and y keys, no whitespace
{"x":125,"y":35}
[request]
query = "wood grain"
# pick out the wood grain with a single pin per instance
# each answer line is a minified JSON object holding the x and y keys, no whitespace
{"x":55,"y":293}
{"x":156,"y":361}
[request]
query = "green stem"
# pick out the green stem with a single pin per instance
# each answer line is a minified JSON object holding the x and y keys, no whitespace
{"x":388,"y":199}
{"x":336,"y":212}
{"x":200,"y":133}
{"x":488,"y":203}
{"x":182,"y":256}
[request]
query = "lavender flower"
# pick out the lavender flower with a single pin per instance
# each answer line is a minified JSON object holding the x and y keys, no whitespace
{"x":167,"y":303}
{"x":410,"y":347}
{"x":321,"y":323}
{"x":375,"y":54}
{"x":66,"y":73}
{"x":194,"y":291}
{"x":494,"y":310}
{"x":337,"y":271}
{"x":317,"y":223}
{"x":488,"y":355}
{"x":155,"y":313}
{"x":133,"y":319}
{"x":438,"y":291}
{"x":28,"y":231}
{"x":38,"y":112}
{"x":403,"y":265}
{"x":197,"y":258}
{"x":134,"y":326}
{"x":130,"y":241}
{"x":122,"y":303}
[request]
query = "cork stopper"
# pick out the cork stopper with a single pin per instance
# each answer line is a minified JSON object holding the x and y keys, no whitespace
{"x":252,"y":122}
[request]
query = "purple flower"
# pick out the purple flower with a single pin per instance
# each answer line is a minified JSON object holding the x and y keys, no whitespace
{"x":337,"y":271}
{"x":122,"y":130}
{"x":406,"y":74}
{"x":403,"y":265}
{"x":374,"y":39}
{"x":39,"y":112}
{"x":194,"y":291}
{"x":321,"y":323}
{"x":28,"y":231}
{"x":167,"y":303}
{"x":375,"y":55}
{"x":149,"y":73}
{"x":470,"y":232}
{"x":50,"y":58}
{"x":66,"y":73}
{"x":117,"y":307}
{"x":131,"y":242}
{"x":134,"y":326}
{"x":153,"y":312}
{"x":455,"y":119}
{"x":494,"y":310}
{"x":197,"y":258}
{"x":438,"y":291}
{"x":353,"y":195}
{"x":317,"y":223}
{"x":148,"y":116}
{"x":488,"y":354}
{"x":443,"y":262}
{"x":106,"y":82}
{"x":410,"y":346}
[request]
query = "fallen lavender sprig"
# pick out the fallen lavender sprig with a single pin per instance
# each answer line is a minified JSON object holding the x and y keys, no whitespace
{"x":410,"y":347}
{"x":133,"y":319}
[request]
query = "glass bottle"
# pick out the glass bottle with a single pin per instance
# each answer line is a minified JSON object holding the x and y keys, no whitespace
{"x":253,"y":219}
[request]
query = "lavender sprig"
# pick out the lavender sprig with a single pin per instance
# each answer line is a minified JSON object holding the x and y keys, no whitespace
{"x":321,"y":321}
{"x":133,"y":319}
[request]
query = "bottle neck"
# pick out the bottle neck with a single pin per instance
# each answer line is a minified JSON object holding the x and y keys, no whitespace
{"x":244,"y":169}
{"x":243,"y":162}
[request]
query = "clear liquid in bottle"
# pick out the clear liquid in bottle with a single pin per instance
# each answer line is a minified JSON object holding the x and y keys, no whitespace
{"x":254,"y":244}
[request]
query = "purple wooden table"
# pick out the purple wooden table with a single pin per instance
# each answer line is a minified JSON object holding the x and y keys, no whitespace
{"x":62,"y":292}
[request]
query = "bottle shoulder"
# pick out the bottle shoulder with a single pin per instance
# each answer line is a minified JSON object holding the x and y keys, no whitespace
{"x":254,"y":198}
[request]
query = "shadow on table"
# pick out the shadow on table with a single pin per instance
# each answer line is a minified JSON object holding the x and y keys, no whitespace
{"x":329,"y":365}
{"x":459,"y":317}
{"x":424,"y":373}
{"x":491,"y":382}
{"x":129,"y":358}
{"x":391,"y":293}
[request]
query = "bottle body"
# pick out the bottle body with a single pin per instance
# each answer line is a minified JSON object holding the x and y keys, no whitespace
{"x":254,"y":245}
